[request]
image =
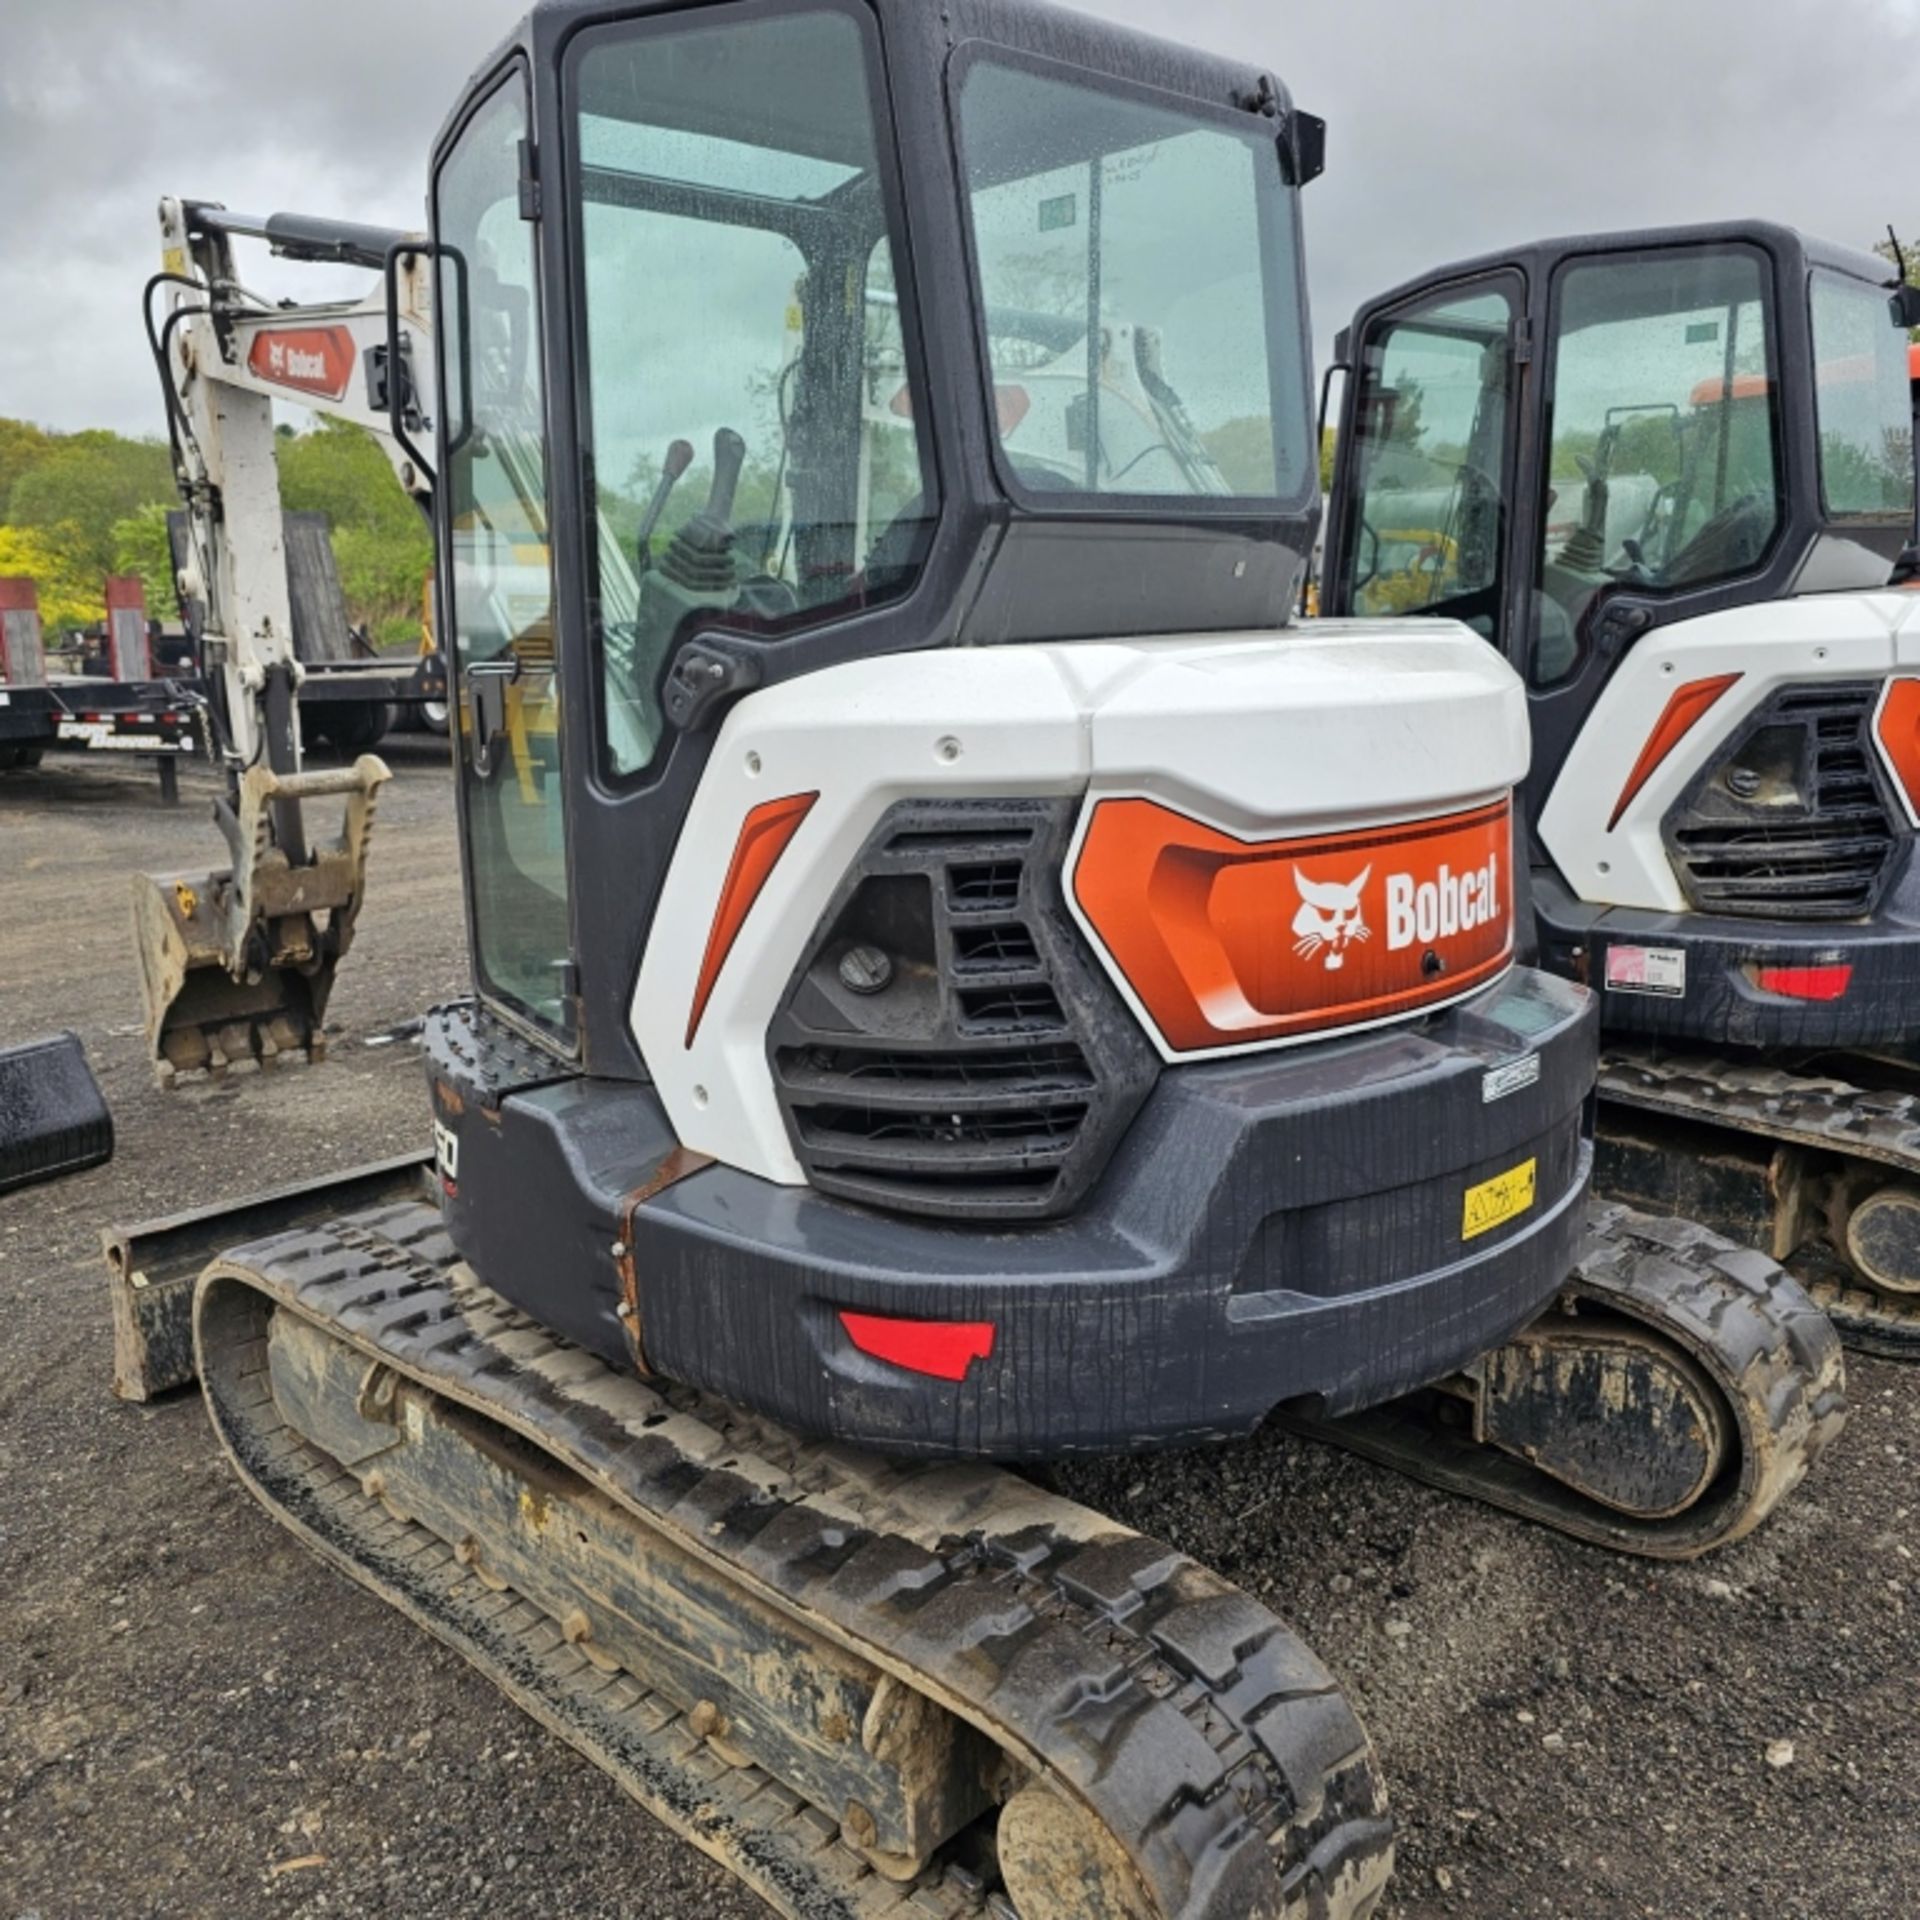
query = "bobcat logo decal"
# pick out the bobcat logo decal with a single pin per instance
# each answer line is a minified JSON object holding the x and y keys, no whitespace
{"x":1330,"y":919}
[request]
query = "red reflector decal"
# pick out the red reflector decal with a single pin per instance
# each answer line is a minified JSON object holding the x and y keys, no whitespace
{"x":1805,"y":983}
{"x":942,"y":1349}
{"x":764,"y":834}
{"x":1682,"y":714}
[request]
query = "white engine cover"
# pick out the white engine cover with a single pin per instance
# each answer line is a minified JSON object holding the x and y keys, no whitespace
{"x":1335,"y":723}
{"x":1837,"y":636}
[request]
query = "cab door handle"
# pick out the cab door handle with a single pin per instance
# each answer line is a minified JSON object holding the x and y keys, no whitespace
{"x":489,"y":681}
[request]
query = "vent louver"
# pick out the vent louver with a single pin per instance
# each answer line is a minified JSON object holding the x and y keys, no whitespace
{"x":1789,"y":821}
{"x":993,"y":1075}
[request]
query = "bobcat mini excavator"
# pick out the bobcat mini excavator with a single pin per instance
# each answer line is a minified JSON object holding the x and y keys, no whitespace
{"x":955,"y":981}
{"x":1670,"y":476}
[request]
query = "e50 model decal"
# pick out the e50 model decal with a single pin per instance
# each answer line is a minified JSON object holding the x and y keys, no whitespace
{"x":1233,"y":943}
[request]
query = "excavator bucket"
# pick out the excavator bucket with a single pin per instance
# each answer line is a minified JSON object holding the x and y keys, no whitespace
{"x":52,"y":1117}
{"x":237,"y":965}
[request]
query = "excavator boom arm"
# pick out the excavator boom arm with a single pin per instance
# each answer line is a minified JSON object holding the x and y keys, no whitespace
{"x":238,"y":964}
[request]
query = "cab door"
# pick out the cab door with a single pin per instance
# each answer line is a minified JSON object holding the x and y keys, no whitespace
{"x":496,"y":572}
{"x":1423,"y":501}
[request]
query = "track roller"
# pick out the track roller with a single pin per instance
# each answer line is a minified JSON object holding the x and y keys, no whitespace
{"x":874,"y":1692}
{"x":1882,"y":1238}
{"x":1822,"y":1169}
{"x":1679,"y":1389}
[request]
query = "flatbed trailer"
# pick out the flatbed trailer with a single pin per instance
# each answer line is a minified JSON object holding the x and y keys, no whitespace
{"x":29,"y":718}
{"x":348,"y":694}
{"x":126,"y":708}
{"x":408,"y":680}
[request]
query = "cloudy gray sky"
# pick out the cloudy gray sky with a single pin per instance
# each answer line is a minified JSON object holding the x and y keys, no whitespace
{"x":1457,"y":126}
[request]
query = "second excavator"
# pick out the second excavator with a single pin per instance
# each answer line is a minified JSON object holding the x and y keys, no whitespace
{"x":1670,"y":475}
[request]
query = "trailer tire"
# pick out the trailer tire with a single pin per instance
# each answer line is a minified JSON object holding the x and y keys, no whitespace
{"x":349,"y":727}
{"x":434,"y":716}
{"x":21,"y":759}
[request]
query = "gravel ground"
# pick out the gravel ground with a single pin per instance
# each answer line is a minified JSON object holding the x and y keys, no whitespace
{"x":198,"y":1720}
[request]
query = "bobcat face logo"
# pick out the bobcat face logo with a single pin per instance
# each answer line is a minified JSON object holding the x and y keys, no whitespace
{"x":1330,"y":919}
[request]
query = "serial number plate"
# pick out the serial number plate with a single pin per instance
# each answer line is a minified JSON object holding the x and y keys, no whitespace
{"x":1494,"y":1202}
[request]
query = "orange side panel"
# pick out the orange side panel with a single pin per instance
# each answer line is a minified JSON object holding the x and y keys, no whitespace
{"x":1896,"y":727}
{"x":764,"y":835}
{"x":1679,"y":717}
{"x":1231,"y":942}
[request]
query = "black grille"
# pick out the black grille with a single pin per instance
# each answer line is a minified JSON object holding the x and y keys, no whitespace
{"x":991,"y":886}
{"x":992,"y":1075}
{"x":1790,"y":821}
{"x":987,"y":949}
{"x":936,"y":1075}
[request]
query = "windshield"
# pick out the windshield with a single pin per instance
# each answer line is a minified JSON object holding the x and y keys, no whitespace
{"x":752,"y":443}
{"x":1664,"y":464}
{"x":1139,"y":271}
{"x":1865,"y":403}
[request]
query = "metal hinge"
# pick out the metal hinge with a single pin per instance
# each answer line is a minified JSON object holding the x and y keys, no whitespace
{"x":1522,"y":342}
{"x":705,"y":674}
{"x":529,"y":182}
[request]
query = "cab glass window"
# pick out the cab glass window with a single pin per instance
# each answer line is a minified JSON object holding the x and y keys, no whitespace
{"x":1664,"y":447}
{"x":494,"y":483}
{"x":754,"y":459}
{"x":1428,"y":521}
{"x":1138,"y":268}
{"x":1861,"y":389}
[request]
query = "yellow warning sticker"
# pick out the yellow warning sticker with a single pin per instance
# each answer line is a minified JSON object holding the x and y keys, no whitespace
{"x":1494,"y":1202}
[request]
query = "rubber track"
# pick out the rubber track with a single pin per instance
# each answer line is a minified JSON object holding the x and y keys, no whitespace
{"x":1768,"y":1348}
{"x":1831,"y":1116}
{"x":1194,"y":1724}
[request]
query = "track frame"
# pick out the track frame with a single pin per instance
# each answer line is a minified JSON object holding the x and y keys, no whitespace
{"x":1157,"y":1704}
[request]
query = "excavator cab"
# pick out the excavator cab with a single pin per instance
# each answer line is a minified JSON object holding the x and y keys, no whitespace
{"x":1613,"y":434}
{"x":772,"y":453}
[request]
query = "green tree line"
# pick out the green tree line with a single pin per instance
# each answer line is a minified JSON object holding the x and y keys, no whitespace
{"x":75,"y":507}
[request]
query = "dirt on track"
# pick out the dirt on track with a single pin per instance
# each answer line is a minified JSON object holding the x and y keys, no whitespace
{"x":197,"y":1719}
